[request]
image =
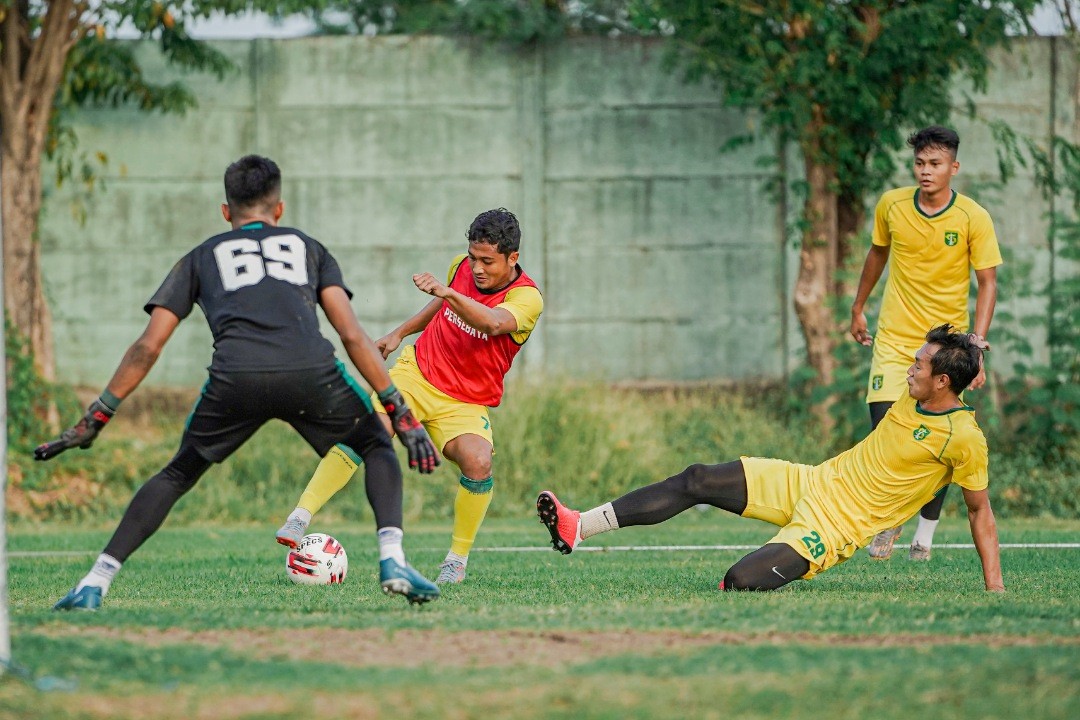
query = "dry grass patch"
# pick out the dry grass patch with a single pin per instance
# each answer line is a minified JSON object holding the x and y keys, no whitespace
{"x":504,"y":648}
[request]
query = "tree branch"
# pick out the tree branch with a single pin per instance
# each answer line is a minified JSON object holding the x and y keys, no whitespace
{"x":10,"y":67}
{"x":48,"y":62}
{"x":43,"y":49}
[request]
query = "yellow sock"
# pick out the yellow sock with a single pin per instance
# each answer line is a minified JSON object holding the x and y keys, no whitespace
{"x":470,"y":507}
{"x":334,"y":472}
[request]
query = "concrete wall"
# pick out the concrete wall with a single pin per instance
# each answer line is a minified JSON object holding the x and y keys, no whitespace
{"x":661,"y":257}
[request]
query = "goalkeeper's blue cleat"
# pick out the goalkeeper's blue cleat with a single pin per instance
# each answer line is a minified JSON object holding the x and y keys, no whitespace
{"x":89,"y":598}
{"x":399,"y":579}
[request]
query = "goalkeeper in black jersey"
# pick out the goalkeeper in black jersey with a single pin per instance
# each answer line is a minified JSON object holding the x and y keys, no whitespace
{"x":258,"y":286}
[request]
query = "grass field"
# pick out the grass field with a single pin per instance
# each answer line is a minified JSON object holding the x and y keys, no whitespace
{"x":202,"y":623}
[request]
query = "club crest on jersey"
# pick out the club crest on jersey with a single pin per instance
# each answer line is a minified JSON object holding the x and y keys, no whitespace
{"x":952,"y":237}
{"x":921,"y":433}
{"x":877,"y":382}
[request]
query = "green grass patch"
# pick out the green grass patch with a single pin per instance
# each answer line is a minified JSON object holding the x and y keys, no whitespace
{"x":203,"y":623}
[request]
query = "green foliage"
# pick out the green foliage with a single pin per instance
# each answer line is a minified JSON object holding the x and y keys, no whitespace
{"x":514,"y":21}
{"x":1042,"y":411}
{"x":30,"y":400}
{"x":845,"y":80}
{"x":29,"y":396}
{"x":846,"y":396}
{"x":590,"y":443}
{"x":103,"y":72}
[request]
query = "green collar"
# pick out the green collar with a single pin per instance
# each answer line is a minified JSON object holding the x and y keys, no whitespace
{"x":919,"y":409}
{"x":939,"y":212}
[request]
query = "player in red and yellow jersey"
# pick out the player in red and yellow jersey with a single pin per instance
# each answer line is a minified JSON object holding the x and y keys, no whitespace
{"x":826,"y":512}
{"x":931,"y":237}
{"x":471,"y":332}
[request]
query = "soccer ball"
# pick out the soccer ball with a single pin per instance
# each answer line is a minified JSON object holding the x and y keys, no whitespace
{"x":317,"y":560}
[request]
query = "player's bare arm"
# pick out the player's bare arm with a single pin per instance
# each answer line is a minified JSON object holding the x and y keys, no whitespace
{"x":984,"y":533}
{"x":369,"y":361}
{"x":493,"y":321}
{"x":358,"y":345}
{"x":985,"y":302}
{"x":143,"y":353}
{"x":389,"y":343}
{"x":873,"y":267}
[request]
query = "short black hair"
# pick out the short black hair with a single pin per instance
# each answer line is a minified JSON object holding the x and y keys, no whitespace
{"x":935,"y":136}
{"x":252,"y":180}
{"x":957,"y":356}
{"x":496,"y":227}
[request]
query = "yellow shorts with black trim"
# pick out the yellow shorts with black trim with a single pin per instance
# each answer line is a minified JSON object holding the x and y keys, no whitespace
{"x":780,"y":492}
{"x":888,"y":370}
{"x":444,"y":417}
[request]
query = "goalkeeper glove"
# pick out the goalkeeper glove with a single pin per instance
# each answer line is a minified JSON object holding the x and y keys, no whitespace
{"x":413,"y":436}
{"x":82,"y":435}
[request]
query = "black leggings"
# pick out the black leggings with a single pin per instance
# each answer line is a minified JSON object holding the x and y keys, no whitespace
{"x":156,"y":498}
{"x":932,"y":509}
{"x":153,"y":501}
{"x":722,"y":486}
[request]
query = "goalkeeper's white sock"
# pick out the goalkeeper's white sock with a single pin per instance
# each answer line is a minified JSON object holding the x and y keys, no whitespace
{"x":102,"y":574}
{"x":598,"y":520}
{"x":390,"y":544}
{"x":924,"y":534}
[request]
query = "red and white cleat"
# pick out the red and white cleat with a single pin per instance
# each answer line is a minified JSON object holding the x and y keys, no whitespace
{"x":563,"y":523}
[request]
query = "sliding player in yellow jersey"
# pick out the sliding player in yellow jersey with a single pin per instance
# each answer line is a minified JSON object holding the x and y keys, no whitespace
{"x":471,"y":332}
{"x":931,"y":237}
{"x":826,"y":512}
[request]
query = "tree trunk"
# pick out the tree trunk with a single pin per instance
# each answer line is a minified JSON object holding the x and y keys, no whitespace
{"x":817,"y":270}
{"x":32,"y":66}
{"x":850,"y":221}
{"x":24,"y":299}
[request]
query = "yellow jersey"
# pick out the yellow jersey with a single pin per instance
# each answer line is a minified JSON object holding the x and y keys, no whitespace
{"x":886,"y":478}
{"x":930,"y":261}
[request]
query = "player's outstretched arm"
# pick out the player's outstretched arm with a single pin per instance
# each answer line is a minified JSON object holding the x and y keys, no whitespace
{"x":358,"y":346}
{"x":389,"y":343}
{"x":369,"y":361}
{"x":133,"y":368}
{"x":984,"y":533}
{"x":874,"y":265}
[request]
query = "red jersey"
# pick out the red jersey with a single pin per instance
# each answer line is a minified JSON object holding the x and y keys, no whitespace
{"x":465,"y":363}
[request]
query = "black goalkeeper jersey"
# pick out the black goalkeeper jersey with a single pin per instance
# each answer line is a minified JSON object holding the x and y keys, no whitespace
{"x":258,"y":287}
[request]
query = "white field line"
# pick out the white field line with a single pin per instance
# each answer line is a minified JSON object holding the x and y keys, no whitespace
{"x":677,"y":548}
{"x":609,"y":548}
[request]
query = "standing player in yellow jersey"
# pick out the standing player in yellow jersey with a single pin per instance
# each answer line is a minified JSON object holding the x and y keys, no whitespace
{"x":472,"y":331}
{"x":826,"y":512}
{"x":931,"y":237}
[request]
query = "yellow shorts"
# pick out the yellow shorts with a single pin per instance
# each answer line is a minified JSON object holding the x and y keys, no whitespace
{"x":888,"y":370}
{"x":779,"y":492}
{"x":444,"y":417}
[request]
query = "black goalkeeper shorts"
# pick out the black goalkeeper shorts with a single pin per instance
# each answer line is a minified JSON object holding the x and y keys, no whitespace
{"x":324,"y":405}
